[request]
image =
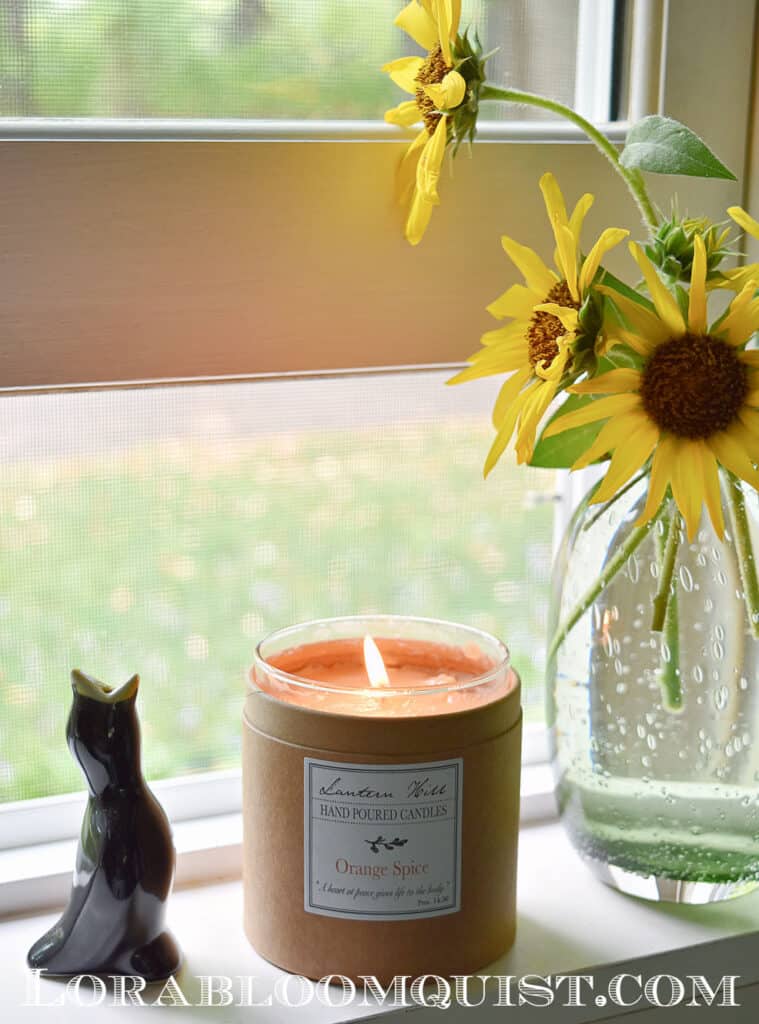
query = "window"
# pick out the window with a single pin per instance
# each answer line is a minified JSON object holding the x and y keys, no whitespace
{"x":248,"y":58}
{"x":167,"y":530}
{"x":238,"y":254}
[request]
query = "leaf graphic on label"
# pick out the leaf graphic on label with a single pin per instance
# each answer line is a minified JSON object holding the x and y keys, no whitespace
{"x":388,"y":844}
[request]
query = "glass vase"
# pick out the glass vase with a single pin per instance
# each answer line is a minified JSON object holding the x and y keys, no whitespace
{"x":655,"y":731}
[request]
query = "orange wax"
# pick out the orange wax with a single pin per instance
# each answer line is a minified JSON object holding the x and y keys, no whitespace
{"x":424,"y":678}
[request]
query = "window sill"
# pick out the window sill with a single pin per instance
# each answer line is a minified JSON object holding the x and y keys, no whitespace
{"x":568,"y":922}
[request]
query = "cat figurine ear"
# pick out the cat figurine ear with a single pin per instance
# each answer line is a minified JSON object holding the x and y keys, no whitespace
{"x":115,"y":919}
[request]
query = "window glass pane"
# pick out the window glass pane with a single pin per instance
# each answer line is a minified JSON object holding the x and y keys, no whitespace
{"x":250,"y":58}
{"x":165,"y":531}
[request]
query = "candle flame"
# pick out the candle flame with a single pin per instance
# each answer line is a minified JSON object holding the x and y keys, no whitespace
{"x":375,"y":666}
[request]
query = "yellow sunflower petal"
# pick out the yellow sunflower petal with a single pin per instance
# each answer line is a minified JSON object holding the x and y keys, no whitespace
{"x":567,"y":253}
{"x":732,"y":456}
{"x":496,"y":356}
{"x":517,"y":301}
{"x":744,"y":436}
{"x":449,"y":93}
{"x":601,"y":409}
{"x":405,"y":114}
{"x":646,"y":324}
{"x":565,"y":314}
{"x":554,"y":200}
{"x":606,"y":241}
{"x":403,"y":72}
{"x":611,"y":434}
{"x":504,"y":434}
{"x":405,"y":182}
{"x":493,"y":361}
{"x":533,"y":412}
{"x":661,"y":465}
{"x":750,"y":420}
{"x":697,"y":299}
{"x":712,"y":494}
{"x":737,"y":278}
{"x":430,"y":162}
{"x":752,"y":398}
{"x":492,"y":354}
{"x":578,"y":215}
{"x":418,"y":218}
{"x":419,"y":24}
{"x":443,"y":14}
{"x":615,"y":382}
{"x":510,"y":331}
{"x":664,"y":301}
{"x":744,"y":220}
{"x":537,"y":275}
{"x":687,"y":480}
{"x":742,"y":318}
{"x":508,"y":393}
{"x":508,"y":363}
{"x":627,"y":459}
{"x":554,"y":369}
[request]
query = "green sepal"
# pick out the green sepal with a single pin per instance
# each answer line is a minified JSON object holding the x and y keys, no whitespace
{"x":610,"y":281}
{"x":662,"y":145}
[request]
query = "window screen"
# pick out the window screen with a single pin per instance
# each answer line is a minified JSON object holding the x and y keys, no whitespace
{"x":250,"y":58}
{"x":166,"y":530}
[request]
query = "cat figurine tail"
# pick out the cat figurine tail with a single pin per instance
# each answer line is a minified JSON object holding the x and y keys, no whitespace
{"x":115,"y":919}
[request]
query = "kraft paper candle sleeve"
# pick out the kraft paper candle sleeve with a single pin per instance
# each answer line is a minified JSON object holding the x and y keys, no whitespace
{"x":278,"y":737}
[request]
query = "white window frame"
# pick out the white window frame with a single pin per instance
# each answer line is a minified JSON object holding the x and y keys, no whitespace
{"x":84,"y":202}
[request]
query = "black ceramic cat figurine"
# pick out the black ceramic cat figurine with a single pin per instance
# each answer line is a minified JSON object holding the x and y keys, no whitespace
{"x":114,"y":921}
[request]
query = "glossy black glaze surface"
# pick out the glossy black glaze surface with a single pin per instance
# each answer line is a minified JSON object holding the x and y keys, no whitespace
{"x":114,"y":921}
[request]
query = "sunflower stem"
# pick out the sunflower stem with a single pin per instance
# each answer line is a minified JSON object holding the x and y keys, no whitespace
{"x":669,"y":557}
{"x":612,"y":501}
{"x":605,"y":577}
{"x":669,"y":667}
{"x":745,"y":549}
{"x":632,"y":178}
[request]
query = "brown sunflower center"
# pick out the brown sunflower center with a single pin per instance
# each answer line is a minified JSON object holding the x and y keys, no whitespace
{"x":545,"y":328}
{"x":693,"y":386}
{"x":433,"y":70}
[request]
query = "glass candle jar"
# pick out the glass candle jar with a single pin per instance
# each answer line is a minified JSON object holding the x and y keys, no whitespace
{"x":381,"y":797}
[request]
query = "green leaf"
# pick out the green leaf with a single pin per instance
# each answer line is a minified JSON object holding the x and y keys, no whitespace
{"x":562,"y":450}
{"x":663,"y":146}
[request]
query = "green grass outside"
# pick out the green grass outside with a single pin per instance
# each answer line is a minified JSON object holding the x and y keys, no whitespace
{"x":174,"y":558}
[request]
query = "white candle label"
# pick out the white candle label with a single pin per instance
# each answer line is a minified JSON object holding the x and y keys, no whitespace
{"x":382,"y":842}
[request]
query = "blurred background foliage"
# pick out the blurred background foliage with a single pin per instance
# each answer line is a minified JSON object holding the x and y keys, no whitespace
{"x":249,"y":58}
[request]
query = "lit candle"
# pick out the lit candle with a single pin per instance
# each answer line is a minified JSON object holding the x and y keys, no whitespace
{"x":404,"y":667}
{"x":381,"y":762}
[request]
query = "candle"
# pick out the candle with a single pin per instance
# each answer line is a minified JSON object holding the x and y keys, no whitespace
{"x":399,"y":667}
{"x":381,"y":760}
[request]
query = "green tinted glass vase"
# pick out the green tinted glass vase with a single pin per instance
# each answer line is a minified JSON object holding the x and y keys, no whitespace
{"x":655,"y":732}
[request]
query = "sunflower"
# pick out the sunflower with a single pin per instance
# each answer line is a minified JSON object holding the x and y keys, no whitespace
{"x":693,"y":405}
{"x":538,"y":346}
{"x":438,"y":88}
